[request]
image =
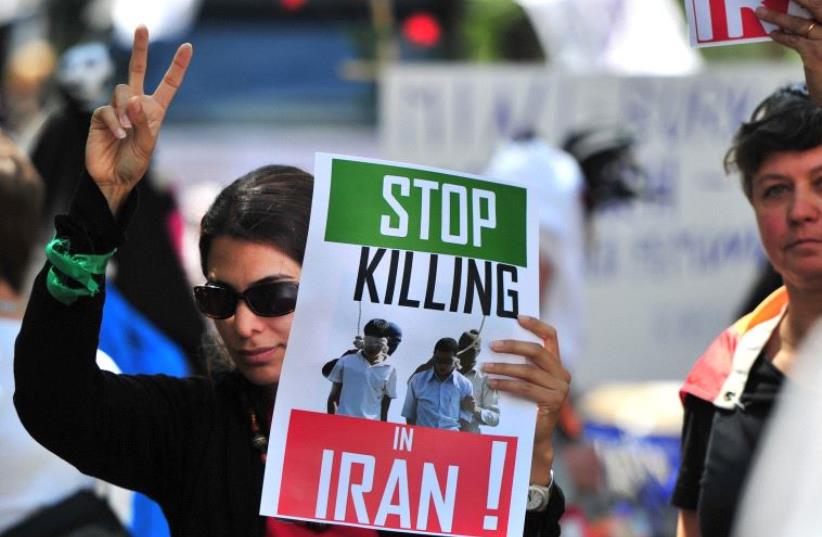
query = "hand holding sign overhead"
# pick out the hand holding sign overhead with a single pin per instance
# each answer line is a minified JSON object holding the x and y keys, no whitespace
{"x":804,"y":35}
{"x":123,"y":134}
{"x":730,"y":22}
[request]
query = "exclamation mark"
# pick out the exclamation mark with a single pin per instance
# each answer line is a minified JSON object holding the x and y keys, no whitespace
{"x":494,"y":483}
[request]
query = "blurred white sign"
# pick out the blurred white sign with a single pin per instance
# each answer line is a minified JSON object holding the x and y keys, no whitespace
{"x":665,"y":275}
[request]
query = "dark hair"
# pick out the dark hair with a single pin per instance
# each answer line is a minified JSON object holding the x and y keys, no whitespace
{"x":270,"y":205}
{"x":446,"y":344}
{"x":787,"y":120}
{"x":377,"y":328}
{"x":394,"y":330}
{"x":21,"y":200}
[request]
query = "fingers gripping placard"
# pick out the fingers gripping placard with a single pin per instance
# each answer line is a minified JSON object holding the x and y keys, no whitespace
{"x":728,"y":22}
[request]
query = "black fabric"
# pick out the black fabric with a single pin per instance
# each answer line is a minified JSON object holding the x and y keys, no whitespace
{"x":548,"y":523}
{"x":90,"y":226}
{"x":80,"y":515}
{"x":59,"y":156}
{"x":696,"y":431}
{"x":183,"y":442}
{"x":149,"y":256}
{"x":719,"y":446}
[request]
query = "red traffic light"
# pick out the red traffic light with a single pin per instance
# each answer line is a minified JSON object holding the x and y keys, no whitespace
{"x":422,"y":29}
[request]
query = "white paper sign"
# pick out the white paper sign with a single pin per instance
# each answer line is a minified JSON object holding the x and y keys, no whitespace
{"x":435,"y":253}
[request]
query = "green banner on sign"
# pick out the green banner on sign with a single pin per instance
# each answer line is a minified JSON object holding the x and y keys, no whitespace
{"x":424,"y":211}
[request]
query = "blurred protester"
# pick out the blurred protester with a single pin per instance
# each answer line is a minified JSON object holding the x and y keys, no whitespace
{"x":786,"y":479}
{"x":8,"y":13}
{"x":608,"y":163}
{"x":83,"y":81}
{"x":594,"y":169}
{"x":558,"y":184}
{"x":729,"y":394}
{"x":193,"y":443}
{"x":40,"y":494}
{"x":29,"y":67}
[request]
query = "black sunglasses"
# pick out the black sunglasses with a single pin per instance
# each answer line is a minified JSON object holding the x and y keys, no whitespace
{"x":270,"y":299}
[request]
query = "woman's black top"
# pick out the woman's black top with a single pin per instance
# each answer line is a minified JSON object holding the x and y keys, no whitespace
{"x":718,"y":447}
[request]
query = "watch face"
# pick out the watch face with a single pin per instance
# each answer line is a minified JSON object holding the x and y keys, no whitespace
{"x":535,"y":498}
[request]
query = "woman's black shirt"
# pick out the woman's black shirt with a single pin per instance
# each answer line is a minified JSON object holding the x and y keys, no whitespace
{"x":718,"y":447}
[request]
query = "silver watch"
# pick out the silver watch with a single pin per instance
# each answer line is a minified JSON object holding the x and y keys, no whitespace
{"x":539,"y":495}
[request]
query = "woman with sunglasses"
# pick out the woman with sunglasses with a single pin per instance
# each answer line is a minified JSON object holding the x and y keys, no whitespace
{"x":197,"y":445}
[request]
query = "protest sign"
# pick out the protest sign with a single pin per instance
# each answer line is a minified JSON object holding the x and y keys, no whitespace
{"x":436,"y":254}
{"x":732,"y":22}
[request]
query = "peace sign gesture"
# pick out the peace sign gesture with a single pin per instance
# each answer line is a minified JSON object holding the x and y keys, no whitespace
{"x":123,"y":134}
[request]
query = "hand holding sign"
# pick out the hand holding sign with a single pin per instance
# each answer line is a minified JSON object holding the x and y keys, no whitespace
{"x":543,"y":380}
{"x":804,"y":35}
{"x":730,"y":22}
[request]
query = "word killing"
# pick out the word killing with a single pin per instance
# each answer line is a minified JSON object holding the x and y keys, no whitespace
{"x":467,"y":281}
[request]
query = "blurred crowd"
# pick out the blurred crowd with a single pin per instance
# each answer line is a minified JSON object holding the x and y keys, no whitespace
{"x":57,"y":61}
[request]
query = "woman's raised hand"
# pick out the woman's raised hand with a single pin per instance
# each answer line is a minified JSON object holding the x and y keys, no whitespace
{"x":123,"y":134}
{"x":805,"y":37}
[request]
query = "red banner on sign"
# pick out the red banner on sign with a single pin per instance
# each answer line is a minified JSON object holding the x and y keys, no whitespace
{"x":731,"y":21}
{"x":344,"y":470}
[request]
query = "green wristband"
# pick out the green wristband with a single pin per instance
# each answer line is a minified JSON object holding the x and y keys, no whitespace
{"x":62,"y":292}
{"x":78,"y":268}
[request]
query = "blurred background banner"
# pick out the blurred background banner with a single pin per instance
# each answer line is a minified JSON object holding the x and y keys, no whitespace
{"x":664,"y":274}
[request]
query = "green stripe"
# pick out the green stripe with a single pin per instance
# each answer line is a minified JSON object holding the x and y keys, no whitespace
{"x":360,"y":212}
